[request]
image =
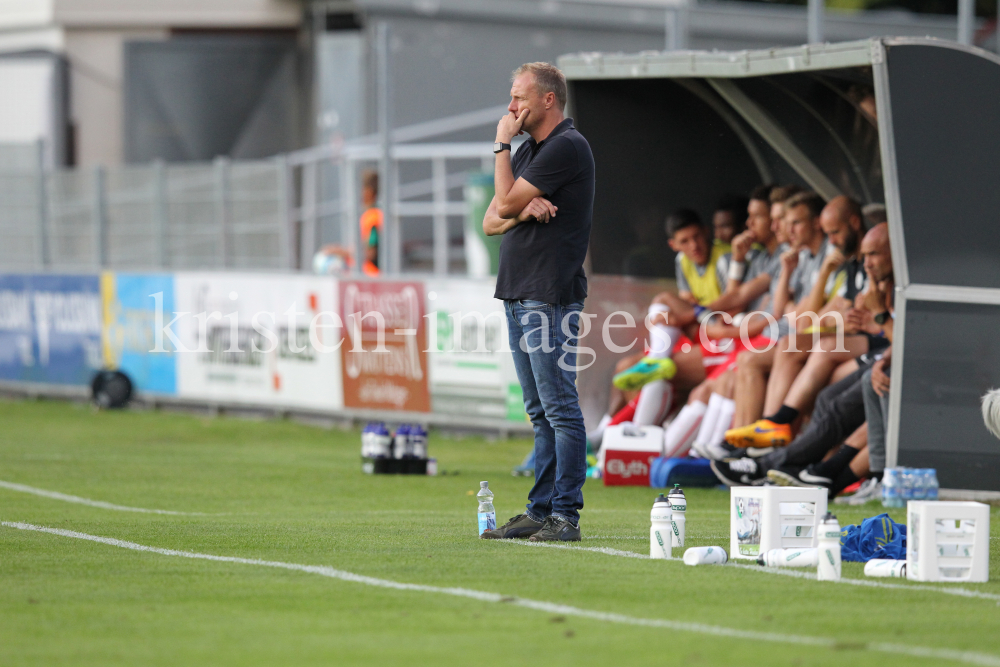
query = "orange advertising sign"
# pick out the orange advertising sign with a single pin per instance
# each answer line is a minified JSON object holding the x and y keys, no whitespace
{"x":385,"y":347}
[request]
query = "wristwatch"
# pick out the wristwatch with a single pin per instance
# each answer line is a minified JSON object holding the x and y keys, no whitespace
{"x":500,"y":146}
{"x":881,"y":318}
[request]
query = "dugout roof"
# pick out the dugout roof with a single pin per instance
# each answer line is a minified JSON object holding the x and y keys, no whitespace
{"x":906,"y":122}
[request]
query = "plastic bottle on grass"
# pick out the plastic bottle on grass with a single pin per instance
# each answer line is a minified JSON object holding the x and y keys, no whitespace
{"x":829,"y":549}
{"x":366,"y":444}
{"x":907,"y":480}
{"x":892,"y":493}
{"x":678,"y":507}
{"x":705,"y":556}
{"x":401,"y":442}
{"x":660,"y":529}
{"x":932,"y":484}
{"x":418,"y":442}
{"x":805,"y":557}
{"x":487,"y":515}
{"x":920,"y":482}
{"x":884,"y":567}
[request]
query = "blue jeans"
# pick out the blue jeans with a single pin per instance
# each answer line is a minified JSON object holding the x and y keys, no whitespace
{"x":543,"y":339}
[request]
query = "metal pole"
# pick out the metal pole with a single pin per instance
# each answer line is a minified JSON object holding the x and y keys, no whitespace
{"x":814,"y":21}
{"x":41,"y":244}
{"x":222,"y":209}
{"x":388,"y":258}
{"x":349,"y":236}
{"x":676,"y":26}
{"x":160,"y":211}
{"x":439,"y":182}
{"x":284,"y":221}
{"x":307,"y":244}
{"x":966,"y":20}
{"x":100,"y":219}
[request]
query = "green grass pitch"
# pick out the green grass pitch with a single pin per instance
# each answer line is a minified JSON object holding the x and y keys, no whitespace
{"x":281,"y":491}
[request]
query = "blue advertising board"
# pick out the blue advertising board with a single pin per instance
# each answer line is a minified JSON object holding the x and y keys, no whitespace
{"x":137,"y":307}
{"x":50,"y":328}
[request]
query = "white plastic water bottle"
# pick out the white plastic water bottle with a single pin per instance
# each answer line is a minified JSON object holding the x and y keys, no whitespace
{"x":401,"y":443}
{"x":375,"y":441}
{"x":418,"y":442}
{"x":660,"y":529}
{"x":884,"y":567}
{"x":678,"y":507}
{"x":487,"y":515}
{"x":705,"y":556}
{"x":805,"y":557}
{"x":829,"y":549}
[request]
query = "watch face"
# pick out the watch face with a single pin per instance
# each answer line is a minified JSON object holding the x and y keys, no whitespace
{"x":497,"y":147}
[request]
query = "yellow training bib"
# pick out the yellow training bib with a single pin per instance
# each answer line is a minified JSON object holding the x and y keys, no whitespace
{"x":705,"y":288}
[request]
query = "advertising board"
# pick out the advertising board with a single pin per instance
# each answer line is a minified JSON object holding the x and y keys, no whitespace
{"x":471,"y":369}
{"x":258,"y":339}
{"x":131,"y":302}
{"x":50,"y":328}
{"x":387,"y":369}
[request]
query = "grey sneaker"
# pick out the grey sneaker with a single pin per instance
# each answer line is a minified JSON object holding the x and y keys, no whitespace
{"x":557,"y":529}
{"x":870,"y":489}
{"x":521,"y":525}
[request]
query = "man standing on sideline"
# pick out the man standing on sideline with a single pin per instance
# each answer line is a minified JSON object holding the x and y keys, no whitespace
{"x":543,"y":206}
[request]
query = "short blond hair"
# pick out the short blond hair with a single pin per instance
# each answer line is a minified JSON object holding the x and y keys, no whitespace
{"x":548,"y":79}
{"x":810,"y":200}
{"x":782,"y":193}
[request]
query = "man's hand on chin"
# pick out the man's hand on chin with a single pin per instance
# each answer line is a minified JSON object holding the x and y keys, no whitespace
{"x":510,"y":126}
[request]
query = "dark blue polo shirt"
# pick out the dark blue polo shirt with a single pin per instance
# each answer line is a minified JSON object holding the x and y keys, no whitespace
{"x":543,"y":261}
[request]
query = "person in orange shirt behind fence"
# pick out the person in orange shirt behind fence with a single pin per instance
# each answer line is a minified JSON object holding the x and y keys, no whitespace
{"x":334,"y":258}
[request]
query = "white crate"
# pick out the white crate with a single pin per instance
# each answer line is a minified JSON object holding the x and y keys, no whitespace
{"x":947,"y":541}
{"x":773,"y":517}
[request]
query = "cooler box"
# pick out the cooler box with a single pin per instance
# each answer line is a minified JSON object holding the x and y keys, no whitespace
{"x":686,"y":471}
{"x":629,"y":452}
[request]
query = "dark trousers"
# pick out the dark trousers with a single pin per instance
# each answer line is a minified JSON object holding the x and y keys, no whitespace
{"x":839,"y":411}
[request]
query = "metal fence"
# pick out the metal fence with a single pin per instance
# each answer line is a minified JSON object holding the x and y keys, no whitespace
{"x":191,"y":216}
{"x":270,"y":214}
{"x":425,"y":206}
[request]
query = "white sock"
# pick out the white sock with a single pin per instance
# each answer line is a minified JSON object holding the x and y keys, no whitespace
{"x":597,"y":435}
{"x":654,"y":403}
{"x":662,"y":338}
{"x":708,"y":421}
{"x":727,"y":408}
{"x":679,"y":436}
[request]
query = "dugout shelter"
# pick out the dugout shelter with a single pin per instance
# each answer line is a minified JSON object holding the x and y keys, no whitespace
{"x":907,"y":122}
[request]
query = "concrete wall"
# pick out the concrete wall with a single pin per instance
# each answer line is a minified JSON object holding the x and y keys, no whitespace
{"x":96,"y":106}
{"x":91,"y":34}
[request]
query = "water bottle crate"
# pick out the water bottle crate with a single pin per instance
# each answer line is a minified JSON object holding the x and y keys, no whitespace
{"x":774,"y":517}
{"x":387,"y":466}
{"x":947,"y":541}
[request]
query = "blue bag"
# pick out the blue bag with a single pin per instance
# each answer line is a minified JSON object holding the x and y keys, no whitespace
{"x":876,"y":537}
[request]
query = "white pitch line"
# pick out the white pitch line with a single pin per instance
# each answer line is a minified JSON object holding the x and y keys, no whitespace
{"x":786,"y":572}
{"x":601,"y":550}
{"x":55,"y":495}
{"x":969,"y":657}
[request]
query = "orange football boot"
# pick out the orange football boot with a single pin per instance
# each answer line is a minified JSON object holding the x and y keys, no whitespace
{"x":762,"y":433}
